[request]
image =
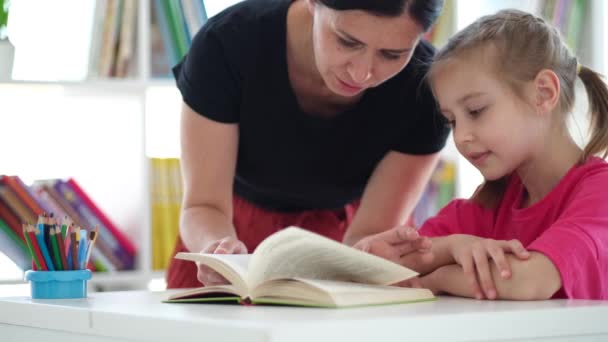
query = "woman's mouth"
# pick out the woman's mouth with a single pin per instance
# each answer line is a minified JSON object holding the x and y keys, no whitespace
{"x":348,"y":87}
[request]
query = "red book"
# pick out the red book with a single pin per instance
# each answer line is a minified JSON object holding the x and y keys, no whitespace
{"x":122,"y":239}
{"x":22,"y":192}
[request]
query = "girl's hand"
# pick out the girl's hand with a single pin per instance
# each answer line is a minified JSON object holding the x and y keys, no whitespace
{"x":472,"y":254}
{"x":227,"y":245}
{"x":398,"y":245}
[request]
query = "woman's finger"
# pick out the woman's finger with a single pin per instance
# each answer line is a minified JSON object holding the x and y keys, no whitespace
{"x":240,"y":248}
{"x":211,"y":248}
{"x":421,"y":244}
{"x":209,"y":277}
{"x":483,"y":272}
{"x":227,"y":246}
{"x":398,"y":235}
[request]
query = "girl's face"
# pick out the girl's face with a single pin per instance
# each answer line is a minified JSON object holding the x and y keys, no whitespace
{"x":494,"y":129}
{"x":355,"y":50}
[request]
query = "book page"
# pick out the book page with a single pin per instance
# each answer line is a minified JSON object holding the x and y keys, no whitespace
{"x":232,"y":266}
{"x":347,"y":294}
{"x":294,"y":252}
{"x":329,"y":293}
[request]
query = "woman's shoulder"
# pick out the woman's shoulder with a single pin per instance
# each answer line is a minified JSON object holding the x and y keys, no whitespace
{"x":240,"y":32}
{"x":246,"y":17}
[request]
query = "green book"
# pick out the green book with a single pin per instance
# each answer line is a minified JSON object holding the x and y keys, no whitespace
{"x":300,"y":268}
{"x":3,"y":18}
{"x":13,"y":236}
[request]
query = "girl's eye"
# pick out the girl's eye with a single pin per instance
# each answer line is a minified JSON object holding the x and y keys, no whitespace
{"x":476,"y":112}
{"x":347,"y":43}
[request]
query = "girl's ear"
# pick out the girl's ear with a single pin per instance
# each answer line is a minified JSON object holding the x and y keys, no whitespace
{"x":547,"y":88}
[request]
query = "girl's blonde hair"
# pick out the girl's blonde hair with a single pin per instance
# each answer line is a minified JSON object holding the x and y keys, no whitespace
{"x":525,"y":45}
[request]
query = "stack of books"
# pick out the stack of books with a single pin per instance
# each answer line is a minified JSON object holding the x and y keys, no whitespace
{"x":21,"y":204}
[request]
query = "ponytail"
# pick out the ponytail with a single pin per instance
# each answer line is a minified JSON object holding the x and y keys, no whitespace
{"x":597,"y":93}
{"x":490,"y":193}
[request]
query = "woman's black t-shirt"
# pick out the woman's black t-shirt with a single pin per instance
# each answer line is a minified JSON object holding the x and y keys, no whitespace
{"x":288,"y":160}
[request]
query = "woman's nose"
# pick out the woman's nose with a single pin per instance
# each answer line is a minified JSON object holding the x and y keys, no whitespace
{"x":360,"y":70}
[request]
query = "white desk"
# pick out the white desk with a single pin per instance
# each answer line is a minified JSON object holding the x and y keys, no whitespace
{"x":128,"y":316}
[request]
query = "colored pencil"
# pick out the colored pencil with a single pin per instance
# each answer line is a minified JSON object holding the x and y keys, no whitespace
{"x":31,"y":248}
{"x":42,"y":244}
{"x":60,"y":244}
{"x":55,"y":245}
{"x":74,"y":250}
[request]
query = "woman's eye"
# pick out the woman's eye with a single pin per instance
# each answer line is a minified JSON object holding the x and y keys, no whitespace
{"x":347,"y":43}
{"x":390,"y":56}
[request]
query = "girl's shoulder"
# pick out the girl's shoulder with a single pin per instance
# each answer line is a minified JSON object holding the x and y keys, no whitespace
{"x":594,"y":169}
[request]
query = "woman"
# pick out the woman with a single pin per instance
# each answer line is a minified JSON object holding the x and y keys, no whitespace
{"x":299,"y":113}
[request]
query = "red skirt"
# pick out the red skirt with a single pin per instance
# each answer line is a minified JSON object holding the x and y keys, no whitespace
{"x":254,"y":224}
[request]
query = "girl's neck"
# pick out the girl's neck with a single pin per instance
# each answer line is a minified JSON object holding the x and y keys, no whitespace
{"x":542,"y":174}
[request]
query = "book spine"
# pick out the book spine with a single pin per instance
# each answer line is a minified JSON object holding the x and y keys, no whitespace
{"x":13,"y":247}
{"x":97,"y":38}
{"x":18,"y":207}
{"x":11,"y":219}
{"x":162,"y":17}
{"x":22,"y":193}
{"x":17,"y":240}
{"x":126,"y":44}
{"x":176,"y":26}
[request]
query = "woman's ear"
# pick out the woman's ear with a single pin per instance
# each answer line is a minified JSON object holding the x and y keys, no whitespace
{"x":547,"y":87}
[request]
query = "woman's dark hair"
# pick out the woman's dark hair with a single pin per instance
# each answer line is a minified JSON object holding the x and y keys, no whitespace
{"x":425,"y":12}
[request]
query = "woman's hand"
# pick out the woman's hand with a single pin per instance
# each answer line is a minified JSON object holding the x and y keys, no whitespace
{"x":227,"y":245}
{"x":402,"y":245}
{"x":473,"y":253}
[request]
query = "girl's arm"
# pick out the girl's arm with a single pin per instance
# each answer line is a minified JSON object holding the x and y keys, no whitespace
{"x":391,"y":194}
{"x":534,"y":279}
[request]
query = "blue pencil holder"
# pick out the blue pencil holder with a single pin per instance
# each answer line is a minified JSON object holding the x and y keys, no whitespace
{"x":58,"y":284}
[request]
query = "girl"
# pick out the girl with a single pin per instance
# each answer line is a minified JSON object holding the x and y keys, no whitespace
{"x":506,"y":83}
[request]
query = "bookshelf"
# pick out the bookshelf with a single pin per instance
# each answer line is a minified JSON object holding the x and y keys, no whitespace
{"x":147,"y":112}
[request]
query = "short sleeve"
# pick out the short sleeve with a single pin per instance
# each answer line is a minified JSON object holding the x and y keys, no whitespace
{"x":208,"y":77}
{"x":460,"y":216}
{"x":424,"y":129}
{"x":577,"y":243}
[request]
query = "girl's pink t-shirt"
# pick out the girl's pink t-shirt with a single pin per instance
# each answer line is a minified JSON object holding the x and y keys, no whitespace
{"x":569,"y":226}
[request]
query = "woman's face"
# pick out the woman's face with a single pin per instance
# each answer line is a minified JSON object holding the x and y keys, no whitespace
{"x":355,"y":50}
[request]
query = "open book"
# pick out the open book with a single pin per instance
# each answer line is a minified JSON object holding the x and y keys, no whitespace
{"x":297,"y":267}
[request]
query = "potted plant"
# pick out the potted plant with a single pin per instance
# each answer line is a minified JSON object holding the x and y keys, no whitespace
{"x":7,"y":51}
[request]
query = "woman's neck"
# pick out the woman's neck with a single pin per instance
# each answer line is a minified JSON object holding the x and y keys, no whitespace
{"x":300,"y":52}
{"x":306,"y":80}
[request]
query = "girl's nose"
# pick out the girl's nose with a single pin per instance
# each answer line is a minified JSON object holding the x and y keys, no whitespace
{"x":462,"y":134}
